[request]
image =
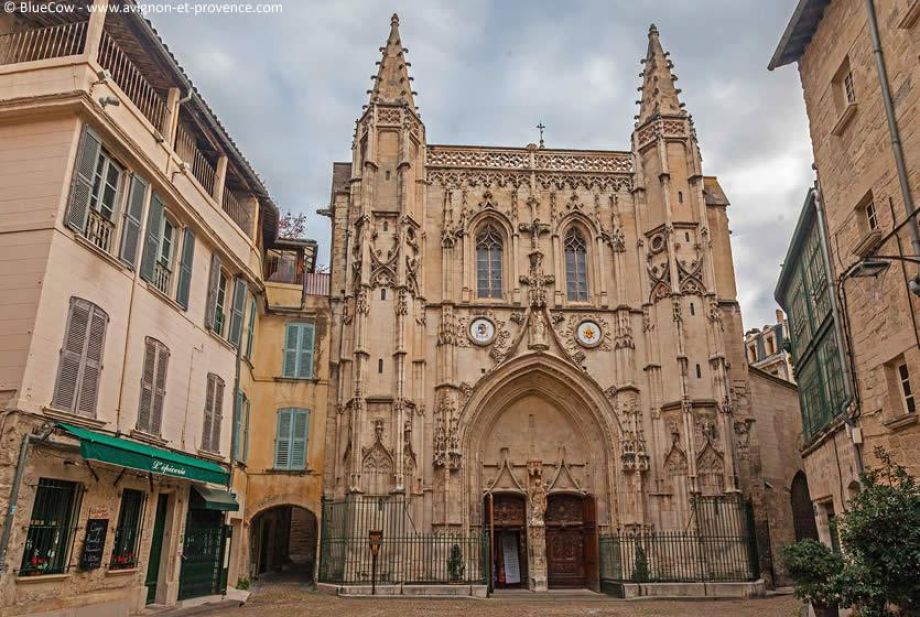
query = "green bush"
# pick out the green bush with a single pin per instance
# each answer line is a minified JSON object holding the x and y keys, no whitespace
{"x":814,"y":568}
{"x":879,"y":572}
{"x":455,"y":566}
{"x":242,"y":584}
{"x":640,"y":569}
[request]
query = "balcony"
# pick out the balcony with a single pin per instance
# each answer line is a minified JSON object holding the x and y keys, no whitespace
{"x":100,"y":231}
{"x":162,"y":277}
{"x":152,"y":90}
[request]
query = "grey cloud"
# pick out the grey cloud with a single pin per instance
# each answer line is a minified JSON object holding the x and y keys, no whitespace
{"x":290,"y":86}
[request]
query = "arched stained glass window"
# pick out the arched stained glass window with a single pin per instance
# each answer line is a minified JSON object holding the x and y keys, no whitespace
{"x":576,"y":265}
{"x":489,"y":262}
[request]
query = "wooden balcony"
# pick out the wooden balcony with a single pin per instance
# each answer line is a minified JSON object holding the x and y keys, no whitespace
{"x":35,"y":44}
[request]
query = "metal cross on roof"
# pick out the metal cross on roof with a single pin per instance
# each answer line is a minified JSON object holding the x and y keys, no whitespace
{"x":541,"y":126}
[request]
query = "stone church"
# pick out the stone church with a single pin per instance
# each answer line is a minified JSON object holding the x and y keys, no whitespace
{"x":541,"y":344}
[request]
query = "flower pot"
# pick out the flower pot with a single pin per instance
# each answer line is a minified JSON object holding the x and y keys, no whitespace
{"x":822,"y":610}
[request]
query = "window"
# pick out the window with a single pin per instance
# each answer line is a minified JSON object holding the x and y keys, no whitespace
{"x":161,"y":247}
{"x":284,"y":266}
{"x":848,"y":90}
{"x":213,"y":414}
{"x":680,"y":197}
{"x":95,"y":192}
{"x":291,"y":438}
{"x":380,"y":365}
{"x":163,"y":268}
{"x":699,"y":372}
{"x":576,"y":265}
{"x":220,"y":303}
{"x":127,"y":533}
{"x":298,"y":351}
{"x":241,"y":428}
{"x":153,"y":386}
{"x":383,"y":293}
{"x":250,"y":327}
{"x":692,"y":309}
{"x":871,"y":215}
{"x":907,"y":394}
{"x":489,"y":262}
{"x":237,"y":311}
{"x":50,"y":528}
{"x":80,"y":364}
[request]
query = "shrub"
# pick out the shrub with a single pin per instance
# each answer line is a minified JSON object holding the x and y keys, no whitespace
{"x":455,"y":566}
{"x":814,"y":568}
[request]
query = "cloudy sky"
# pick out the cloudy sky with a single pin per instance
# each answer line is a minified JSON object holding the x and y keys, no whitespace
{"x":289,"y":87}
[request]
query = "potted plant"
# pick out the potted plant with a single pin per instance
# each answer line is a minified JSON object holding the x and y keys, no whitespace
{"x":815,"y":568}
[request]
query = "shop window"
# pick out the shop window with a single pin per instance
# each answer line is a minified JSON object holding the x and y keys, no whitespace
{"x":51,"y":528}
{"x":128,"y":531}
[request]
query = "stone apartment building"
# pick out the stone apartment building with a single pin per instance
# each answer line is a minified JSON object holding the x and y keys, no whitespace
{"x":140,"y":439}
{"x":540,"y":345}
{"x":848,"y":278}
{"x":766,"y":348}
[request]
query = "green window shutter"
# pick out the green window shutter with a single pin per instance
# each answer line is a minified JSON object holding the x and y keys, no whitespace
{"x":246,"y":408}
{"x":237,"y":425}
{"x":236,"y":314}
{"x":81,"y":187}
{"x":300,"y":424}
{"x":130,"y":235}
{"x":152,"y":238}
{"x":283,"y":440}
{"x":305,"y":352}
{"x":213,"y":281}
{"x":251,"y":327}
{"x":291,"y":342}
{"x":185,"y":269}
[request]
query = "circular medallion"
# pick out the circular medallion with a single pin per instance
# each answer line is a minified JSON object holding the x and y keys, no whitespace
{"x":589,"y":334}
{"x":482,"y":330}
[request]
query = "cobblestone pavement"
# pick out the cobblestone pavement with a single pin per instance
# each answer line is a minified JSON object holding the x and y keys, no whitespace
{"x":296,"y":601}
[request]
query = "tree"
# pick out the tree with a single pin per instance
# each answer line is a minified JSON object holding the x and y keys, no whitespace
{"x":292,"y":226}
{"x":880,"y":535}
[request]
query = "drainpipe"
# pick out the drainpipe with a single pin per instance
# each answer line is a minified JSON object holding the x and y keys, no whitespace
{"x":14,"y":491}
{"x":895,"y":136}
{"x":844,"y":359}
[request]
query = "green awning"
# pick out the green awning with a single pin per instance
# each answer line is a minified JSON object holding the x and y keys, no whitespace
{"x":206,"y":498}
{"x":125,"y":452}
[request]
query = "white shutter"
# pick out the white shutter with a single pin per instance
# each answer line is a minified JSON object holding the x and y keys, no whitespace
{"x":159,"y":389}
{"x":92,"y":363}
{"x":147,"y":379}
{"x":65,"y":389}
{"x":218,"y":412}
{"x":207,"y":429}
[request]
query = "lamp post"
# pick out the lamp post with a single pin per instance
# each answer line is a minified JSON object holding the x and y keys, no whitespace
{"x":374,"y":539}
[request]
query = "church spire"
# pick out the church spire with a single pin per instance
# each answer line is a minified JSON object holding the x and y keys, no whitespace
{"x":659,"y":94}
{"x":392,"y":83}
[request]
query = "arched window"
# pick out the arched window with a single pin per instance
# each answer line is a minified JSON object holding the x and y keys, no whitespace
{"x":489,"y":262}
{"x":576,"y":265}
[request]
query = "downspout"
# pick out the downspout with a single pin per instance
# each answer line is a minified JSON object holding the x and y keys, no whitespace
{"x":14,"y":491}
{"x":893,"y":131}
{"x":844,"y":359}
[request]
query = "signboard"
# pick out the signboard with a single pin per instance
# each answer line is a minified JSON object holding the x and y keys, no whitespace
{"x":374,"y":538}
{"x":94,"y":544}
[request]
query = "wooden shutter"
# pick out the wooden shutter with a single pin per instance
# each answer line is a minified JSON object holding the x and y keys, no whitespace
{"x":207,"y":430}
{"x":88,"y":391}
{"x":185,"y":268}
{"x":237,"y":426}
{"x":72,"y":351}
{"x":152,"y":238}
{"x":291,"y":340}
{"x":159,"y":389}
{"x":283,"y":440}
{"x":300,"y":421}
{"x":251,"y":327}
{"x":305,"y":352}
{"x":131,"y":231}
{"x":217,"y":414}
{"x":213,"y":281}
{"x":237,"y":310}
{"x":81,"y":186}
{"x":147,"y":379}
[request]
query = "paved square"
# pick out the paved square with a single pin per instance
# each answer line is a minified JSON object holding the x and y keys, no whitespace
{"x":293,"y":601}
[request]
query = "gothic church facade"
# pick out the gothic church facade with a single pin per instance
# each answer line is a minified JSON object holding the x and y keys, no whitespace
{"x":537,"y":343}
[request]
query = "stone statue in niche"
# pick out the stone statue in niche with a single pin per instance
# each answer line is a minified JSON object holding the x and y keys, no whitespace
{"x":537,"y":332}
{"x":537,"y":280}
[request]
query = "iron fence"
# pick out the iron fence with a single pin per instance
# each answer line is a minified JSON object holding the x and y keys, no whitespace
{"x":718,"y":547}
{"x":405,"y":555}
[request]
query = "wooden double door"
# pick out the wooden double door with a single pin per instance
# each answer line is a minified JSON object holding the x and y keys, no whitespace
{"x":571,"y":542}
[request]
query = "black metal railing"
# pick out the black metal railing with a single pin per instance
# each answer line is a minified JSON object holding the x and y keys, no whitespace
{"x":719,"y":547}
{"x":405,"y":555}
{"x":51,"y":527}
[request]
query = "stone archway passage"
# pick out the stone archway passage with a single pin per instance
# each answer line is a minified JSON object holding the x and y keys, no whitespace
{"x":283,"y":541}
